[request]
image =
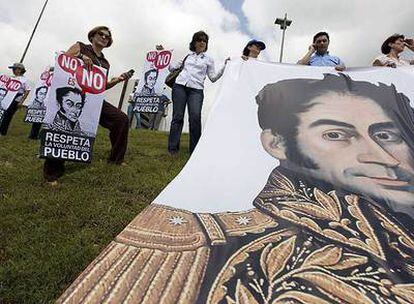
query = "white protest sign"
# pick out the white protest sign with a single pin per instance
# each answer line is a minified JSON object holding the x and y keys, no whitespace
{"x":151,"y":86}
{"x":9,"y":87}
{"x":73,"y":109}
{"x":36,"y":108}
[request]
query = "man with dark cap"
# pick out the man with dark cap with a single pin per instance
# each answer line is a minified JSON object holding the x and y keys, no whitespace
{"x":18,"y":73}
{"x":391,"y":49}
{"x":253,"y":49}
{"x":111,"y":117}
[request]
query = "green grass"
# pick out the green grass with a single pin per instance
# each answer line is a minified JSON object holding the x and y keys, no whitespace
{"x":49,"y":235}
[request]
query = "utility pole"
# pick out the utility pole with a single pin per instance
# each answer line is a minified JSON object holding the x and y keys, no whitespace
{"x":284,"y":23}
{"x":34,"y":30}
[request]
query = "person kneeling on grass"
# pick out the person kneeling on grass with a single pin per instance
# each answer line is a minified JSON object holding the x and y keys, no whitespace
{"x":111,"y":117}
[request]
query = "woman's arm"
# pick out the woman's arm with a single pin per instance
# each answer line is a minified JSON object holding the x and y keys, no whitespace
{"x":176,"y":65}
{"x":75,"y":51}
{"x":115,"y":80}
{"x":211,"y":70}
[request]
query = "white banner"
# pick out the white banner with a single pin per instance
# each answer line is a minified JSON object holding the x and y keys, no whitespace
{"x":73,"y":109}
{"x":300,"y":190}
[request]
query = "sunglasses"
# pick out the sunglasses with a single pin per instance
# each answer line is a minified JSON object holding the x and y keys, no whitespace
{"x":104,"y":35}
{"x":201,"y":40}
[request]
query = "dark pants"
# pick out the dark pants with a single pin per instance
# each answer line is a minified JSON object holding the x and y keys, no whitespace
{"x":181,"y":97}
{"x":111,"y":118}
{"x":155,"y":120}
{"x":34,"y":131}
{"x":8,"y":115}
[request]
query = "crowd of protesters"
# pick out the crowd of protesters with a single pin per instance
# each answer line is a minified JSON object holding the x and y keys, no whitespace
{"x":187,"y":91}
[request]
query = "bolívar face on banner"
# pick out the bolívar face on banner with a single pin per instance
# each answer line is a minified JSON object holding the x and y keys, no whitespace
{"x":9,"y":87}
{"x":150,"y":88}
{"x":73,"y":107}
{"x":36,"y":109}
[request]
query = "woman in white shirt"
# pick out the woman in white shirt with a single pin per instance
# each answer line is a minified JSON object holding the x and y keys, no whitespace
{"x":391,"y":48}
{"x":189,"y":90}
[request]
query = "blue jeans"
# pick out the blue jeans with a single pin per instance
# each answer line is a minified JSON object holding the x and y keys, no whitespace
{"x":131,"y":114}
{"x":181,"y":97}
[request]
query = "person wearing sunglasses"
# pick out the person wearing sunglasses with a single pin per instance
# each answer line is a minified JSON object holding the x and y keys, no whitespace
{"x":111,"y":117}
{"x":391,"y":49}
{"x":188,"y":90}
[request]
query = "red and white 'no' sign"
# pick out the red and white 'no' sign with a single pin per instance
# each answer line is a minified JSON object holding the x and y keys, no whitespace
{"x":151,"y":56}
{"x":4,"y":79}
{"x":49,"y":80}
{"x":44,"y":76}
{"x":13,"y":85}
{"x":91,"y":81}
{"x":163,"y":60}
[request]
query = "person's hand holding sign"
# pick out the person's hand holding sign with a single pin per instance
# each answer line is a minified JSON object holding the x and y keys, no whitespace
{"x":120,"y":78}
{"x":126,"y":75}
{"x":87,"y":61}
{"x":123,"y":76}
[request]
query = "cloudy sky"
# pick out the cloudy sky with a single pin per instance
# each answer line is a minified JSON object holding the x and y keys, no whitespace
{"x":357,"y":28}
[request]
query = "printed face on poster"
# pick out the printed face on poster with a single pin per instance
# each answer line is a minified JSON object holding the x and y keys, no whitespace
{"x":307,"y":125}
{"x":152,"y":83}
{"x":73,"y":108}
{"x":9,"y":87}
{"x":36,"y":108}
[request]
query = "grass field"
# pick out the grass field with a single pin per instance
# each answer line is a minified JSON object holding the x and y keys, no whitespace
{"x":49,"y":235}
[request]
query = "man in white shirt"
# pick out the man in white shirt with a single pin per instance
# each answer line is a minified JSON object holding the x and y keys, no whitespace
{"x":18,"y":73}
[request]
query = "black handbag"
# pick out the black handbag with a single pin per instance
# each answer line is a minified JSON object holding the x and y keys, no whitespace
{"x":170,"y":80}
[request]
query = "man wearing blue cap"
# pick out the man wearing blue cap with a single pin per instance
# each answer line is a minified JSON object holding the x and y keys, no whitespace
{"x":253,"y":49}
